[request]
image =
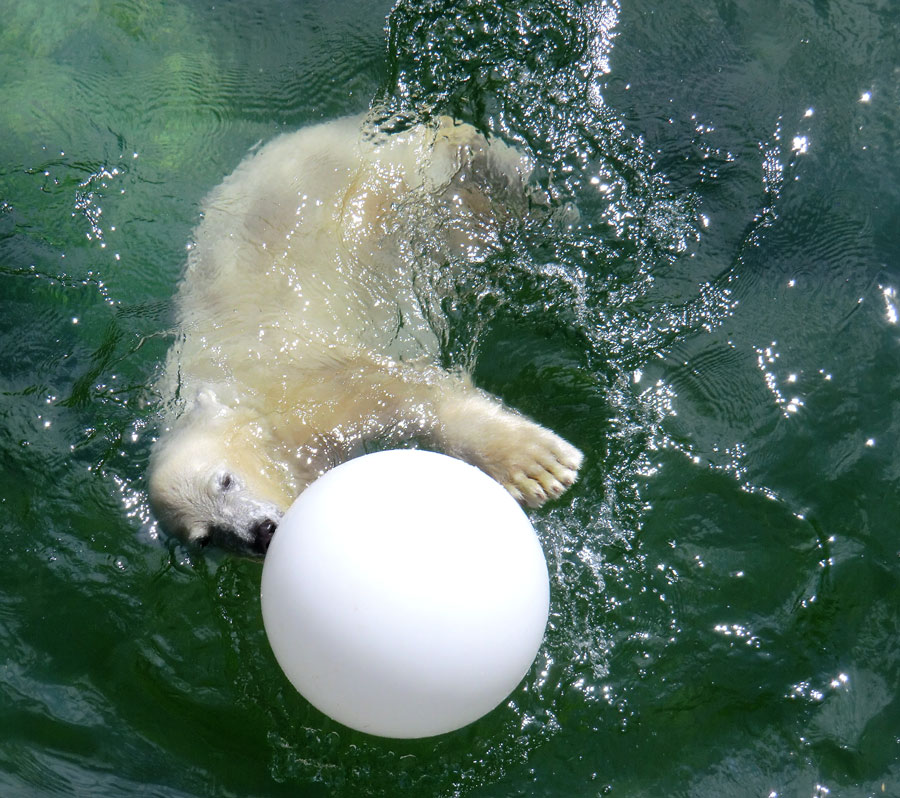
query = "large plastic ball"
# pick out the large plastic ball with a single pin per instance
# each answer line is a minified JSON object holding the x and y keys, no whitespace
{"x":405,"y":593}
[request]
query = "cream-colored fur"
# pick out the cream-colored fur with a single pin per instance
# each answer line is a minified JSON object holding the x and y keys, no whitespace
{"x":310,"y":319}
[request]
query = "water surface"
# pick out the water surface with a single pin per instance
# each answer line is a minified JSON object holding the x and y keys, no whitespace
{"x":718,"y":333}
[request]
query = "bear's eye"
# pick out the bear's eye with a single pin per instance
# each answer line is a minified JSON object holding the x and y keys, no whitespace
{"x":226,"y":481}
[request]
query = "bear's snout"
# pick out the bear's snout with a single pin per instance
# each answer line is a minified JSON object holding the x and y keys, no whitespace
{"x":263,"y":532}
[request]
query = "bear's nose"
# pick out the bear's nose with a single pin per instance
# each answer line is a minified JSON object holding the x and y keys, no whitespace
{"x":262,"y":534}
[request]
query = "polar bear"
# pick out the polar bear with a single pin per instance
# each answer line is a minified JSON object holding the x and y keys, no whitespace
{"x":309,"y":319}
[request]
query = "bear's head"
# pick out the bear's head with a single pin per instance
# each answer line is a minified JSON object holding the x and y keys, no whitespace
{"x":212,"y":481}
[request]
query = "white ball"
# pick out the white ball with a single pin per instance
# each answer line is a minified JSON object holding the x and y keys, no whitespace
{"x":405,"y":593}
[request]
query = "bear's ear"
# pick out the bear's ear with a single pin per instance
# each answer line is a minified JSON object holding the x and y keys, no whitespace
{"x":205,"y":406}
{"x":206,"y":399}
{"x":208,"y":403}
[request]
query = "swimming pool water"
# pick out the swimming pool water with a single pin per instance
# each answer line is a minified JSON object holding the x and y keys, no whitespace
{"x":718,"y":333}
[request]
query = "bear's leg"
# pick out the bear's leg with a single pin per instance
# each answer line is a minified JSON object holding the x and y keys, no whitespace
{"x":531,"y":462}
{"x":375,"y":398}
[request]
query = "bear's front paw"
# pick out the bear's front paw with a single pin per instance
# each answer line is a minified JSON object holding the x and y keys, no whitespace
{"x":538,"y":467}
{"x":531,"y":462}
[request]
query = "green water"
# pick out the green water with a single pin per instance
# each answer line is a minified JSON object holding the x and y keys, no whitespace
{"x":719,"y":334}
